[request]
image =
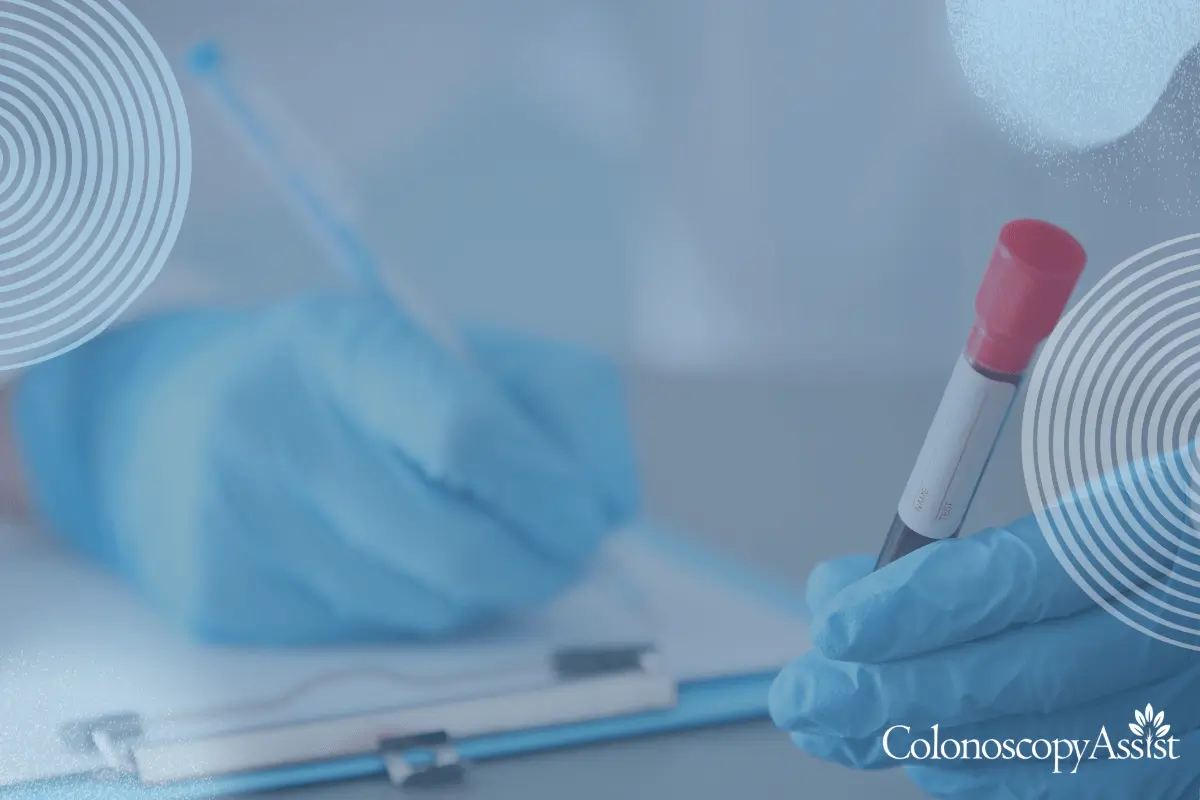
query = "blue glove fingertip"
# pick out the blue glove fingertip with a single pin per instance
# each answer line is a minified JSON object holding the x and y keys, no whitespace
{"x":816,"y":695}
{"x":832,"y":631}
{"x":861,"y":623}
{"x":782,"y":701}
{"x":905,"y":608}
{"x":829,"y":578}
{"x":835,"y":634}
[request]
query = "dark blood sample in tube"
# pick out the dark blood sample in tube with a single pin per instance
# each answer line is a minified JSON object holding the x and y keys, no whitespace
{"x":1033,"y":270}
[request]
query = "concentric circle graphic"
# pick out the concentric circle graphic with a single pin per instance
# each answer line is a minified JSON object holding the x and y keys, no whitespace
{"x":95,"y":171}
{"x":1109,"y":442}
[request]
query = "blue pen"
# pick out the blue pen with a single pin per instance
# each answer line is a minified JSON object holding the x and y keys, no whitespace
{"x":321,"y":215}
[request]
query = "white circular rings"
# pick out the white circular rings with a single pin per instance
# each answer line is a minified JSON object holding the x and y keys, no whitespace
{"x":95,"y":171}
{"x":1110,"y":422}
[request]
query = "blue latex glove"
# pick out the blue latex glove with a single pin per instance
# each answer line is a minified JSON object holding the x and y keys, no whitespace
{"x":321,"y":471}
{"x":988,"y":638}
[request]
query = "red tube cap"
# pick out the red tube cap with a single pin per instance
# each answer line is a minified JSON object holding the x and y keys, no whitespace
{"x":1025,"y":290}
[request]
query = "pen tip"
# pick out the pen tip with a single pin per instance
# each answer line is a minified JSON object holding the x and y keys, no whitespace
{"x":204,"y":57}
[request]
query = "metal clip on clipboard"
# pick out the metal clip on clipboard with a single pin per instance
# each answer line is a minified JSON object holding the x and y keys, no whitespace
{"x":427,"y":759}
{"x":431,"y":759}
{"x":418,"y":746}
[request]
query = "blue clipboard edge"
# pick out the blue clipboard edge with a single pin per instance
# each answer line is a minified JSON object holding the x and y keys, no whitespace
{"x":701,"y":704}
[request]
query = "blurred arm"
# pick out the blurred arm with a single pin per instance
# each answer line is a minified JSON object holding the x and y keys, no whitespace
{"x":184,"y":286}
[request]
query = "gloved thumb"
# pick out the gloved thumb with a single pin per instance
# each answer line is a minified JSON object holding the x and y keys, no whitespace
{"x":830,"y":577}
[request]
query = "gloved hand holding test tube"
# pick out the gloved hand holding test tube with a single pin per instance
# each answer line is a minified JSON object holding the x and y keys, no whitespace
{"x":987,"y":640}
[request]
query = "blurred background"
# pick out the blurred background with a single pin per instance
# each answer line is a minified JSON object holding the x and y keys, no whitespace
{"x":698,"y":186}
{"x":775,"y":214}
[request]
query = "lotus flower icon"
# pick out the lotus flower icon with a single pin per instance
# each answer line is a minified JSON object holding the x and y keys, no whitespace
{"x":1150,"y":725}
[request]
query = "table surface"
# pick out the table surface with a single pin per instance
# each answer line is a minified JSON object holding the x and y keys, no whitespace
{"x":782,"y":474}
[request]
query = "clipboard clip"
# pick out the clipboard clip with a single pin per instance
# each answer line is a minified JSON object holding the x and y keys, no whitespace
{"x":431,"y":759}
{"x":422,"y":761}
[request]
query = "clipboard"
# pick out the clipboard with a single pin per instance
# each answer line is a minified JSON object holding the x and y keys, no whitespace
{"x":604,"y":691}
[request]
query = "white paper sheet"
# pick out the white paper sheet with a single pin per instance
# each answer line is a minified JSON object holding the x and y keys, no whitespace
{"x":75,"y":645}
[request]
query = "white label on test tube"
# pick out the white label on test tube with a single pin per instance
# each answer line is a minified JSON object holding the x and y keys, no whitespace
{"x":955,"y":452}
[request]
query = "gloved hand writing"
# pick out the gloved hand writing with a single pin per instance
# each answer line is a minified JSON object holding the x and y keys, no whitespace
{"x":321,"y":471}
{"x":988,"y":638}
